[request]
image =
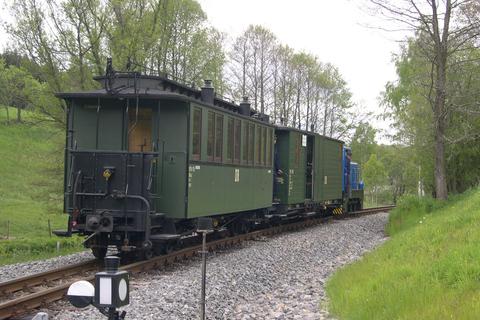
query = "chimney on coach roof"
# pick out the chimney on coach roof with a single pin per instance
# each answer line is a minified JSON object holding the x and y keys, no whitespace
{"x":208,"y":92}
{"x":245,"y":107}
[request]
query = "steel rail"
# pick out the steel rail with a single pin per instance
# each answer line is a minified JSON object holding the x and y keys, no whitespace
{"x":46,"y":278}
{"x":371,"y":210}
{"x":30,"y":302}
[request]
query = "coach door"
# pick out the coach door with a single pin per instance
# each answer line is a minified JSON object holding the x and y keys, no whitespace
{"x":140,"y":130}
{"x":307,"y":141}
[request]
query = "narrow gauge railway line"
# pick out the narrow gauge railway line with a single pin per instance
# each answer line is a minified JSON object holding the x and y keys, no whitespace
{"x":370,"y":211}
{"x":45,"y":279}
{"x":27,"y":303}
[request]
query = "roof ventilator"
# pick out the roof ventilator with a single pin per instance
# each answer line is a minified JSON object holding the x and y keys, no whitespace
{"x":245,"y":107}
{"x":208,"y":92}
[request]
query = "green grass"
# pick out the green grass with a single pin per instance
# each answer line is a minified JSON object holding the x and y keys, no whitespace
{"x":369,"y":204}
{"x":31,"y":178}
{"x":429,"y":269}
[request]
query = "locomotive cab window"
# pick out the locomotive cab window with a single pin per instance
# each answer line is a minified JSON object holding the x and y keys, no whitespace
{"x":140,"y":129}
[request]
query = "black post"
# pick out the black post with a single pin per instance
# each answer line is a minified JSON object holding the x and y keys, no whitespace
{"x":113,"y":314}
{"x":204,"y":226}
{"x":204,"y":275}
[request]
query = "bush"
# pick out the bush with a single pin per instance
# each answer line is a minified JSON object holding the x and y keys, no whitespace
{"x":410,"y":211}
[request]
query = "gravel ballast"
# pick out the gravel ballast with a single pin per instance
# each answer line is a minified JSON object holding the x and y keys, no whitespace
{"x":275,"y":278}
{"x":12,"y":271}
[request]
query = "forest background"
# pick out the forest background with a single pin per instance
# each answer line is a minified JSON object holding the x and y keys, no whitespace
{"x":60,"y":45}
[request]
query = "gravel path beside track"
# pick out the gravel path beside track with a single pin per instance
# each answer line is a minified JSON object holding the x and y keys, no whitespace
{"x":276,"y":278}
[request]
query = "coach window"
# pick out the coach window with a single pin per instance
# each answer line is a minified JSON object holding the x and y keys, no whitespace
{"x":245,"y":143}
{"x":230,"y":140}
{"x":197,"y":133}
{"x":218,"y":137}
{"x":140,"y":129}
{"x":211,"y":135}
{"x":258,"y":145}
{"x":238,"y":137}
{"x":264,"y":146}
{"x":251,"y":142}
{"x":269,"y":147}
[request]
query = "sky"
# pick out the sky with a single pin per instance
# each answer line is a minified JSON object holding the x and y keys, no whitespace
{"x":341,"y":32}
{"x":335,"y":31}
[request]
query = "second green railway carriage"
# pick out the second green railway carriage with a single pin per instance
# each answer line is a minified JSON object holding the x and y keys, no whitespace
{"x":308,"y":170}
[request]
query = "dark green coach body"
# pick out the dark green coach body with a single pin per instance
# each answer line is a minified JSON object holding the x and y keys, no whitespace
{"x":187,"y":185}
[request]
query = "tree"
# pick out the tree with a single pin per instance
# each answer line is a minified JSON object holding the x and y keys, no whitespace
{"x":252,"y":56}
{"x":442,"y":33}
{"x":295,"y":88}
{"x":374,"y":175}
{"x":68,"y":41}
{"x":402,"y":169}
{"x":79,"y":27}
{"x":4,"y":88}
{"x":363,"y":143}
{"x":284,"y":55}
{"x":19,"y":89}
{"x":13,"y":89}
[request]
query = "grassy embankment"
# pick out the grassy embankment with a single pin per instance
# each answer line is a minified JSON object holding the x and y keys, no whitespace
{"x":31,"y":178}
{"x":429,"y":269}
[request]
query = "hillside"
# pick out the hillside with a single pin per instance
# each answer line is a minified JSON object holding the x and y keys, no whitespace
{"x":31,"y":177}
{"x":429,"y":269}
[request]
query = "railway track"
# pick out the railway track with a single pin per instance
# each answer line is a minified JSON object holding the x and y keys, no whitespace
{"x":371,"y":210}
{"x":22,"y":295}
